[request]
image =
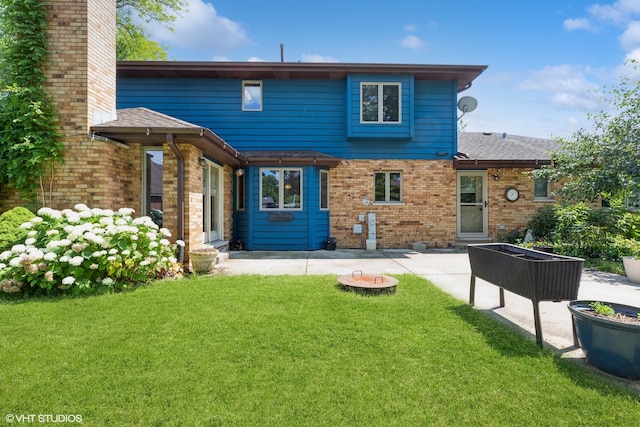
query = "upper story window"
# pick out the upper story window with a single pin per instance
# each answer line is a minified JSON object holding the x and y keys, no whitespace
{"x":281,"y":188}
{"x":388,"y":187}
{"x":251,"y":95}
{"x":380,"y":102}
{"x":542,"y":189}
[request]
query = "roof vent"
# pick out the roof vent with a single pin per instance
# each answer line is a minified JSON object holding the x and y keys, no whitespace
{"x":504,"y":135}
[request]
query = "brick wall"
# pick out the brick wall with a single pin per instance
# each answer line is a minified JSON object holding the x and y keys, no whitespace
{"x":427,"y":214}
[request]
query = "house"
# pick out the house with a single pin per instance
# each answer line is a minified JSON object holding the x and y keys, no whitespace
{"x":279,"y":156}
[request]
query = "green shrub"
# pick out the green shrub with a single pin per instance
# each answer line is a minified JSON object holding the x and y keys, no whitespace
{"x":87,"y":250}
{"x":544,"y":222}
{"x":10,"y":231}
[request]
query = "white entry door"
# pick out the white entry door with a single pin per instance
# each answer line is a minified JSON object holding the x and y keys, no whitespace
{"x":472,"y":204}
{"x":212,"y":202}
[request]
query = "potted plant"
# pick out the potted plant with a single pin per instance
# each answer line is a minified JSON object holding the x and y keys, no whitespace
{"x":609,"y":335}
{"x":632,"y":268}
{"x":203,"y":259}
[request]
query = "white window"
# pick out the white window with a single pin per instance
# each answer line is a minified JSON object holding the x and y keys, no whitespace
{"x":542,"y":189}
{"x":251,"y":95}
{"x":281,"y":189}
{"x":388,"y":187}
{"x":324,"y":190}
{"x":380,"y":102}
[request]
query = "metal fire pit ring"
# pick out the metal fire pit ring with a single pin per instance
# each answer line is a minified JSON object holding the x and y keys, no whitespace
{"x":368,"y":284}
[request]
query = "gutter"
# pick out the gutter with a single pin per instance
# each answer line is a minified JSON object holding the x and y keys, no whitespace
{"x":180,"y":201}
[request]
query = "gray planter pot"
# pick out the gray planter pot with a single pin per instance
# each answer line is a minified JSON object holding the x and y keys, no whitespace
{"x":609,"y":345}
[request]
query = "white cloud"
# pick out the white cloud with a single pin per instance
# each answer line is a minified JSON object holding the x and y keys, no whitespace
{"x":256,"y":59}
{"x":201,"y":28}
{"x":630,"y":39}
{"x":618,"y":12}
{"x":317,"y":58}
{"x":577,"y":24}
{"x":567,"y":87}
{"x":413,"y":43}
{"x":410,"y":28}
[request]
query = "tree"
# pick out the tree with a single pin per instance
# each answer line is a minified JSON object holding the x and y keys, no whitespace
{"x":603,"y":163}
{"x":132,"y":40}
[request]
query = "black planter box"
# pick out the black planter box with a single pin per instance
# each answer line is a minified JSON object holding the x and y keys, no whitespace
{"x":535,"y":275}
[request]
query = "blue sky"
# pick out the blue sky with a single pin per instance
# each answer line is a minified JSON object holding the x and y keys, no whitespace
{"x":546,"y":58}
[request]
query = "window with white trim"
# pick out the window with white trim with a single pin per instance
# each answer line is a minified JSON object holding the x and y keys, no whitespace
{"x":251,"y":95}
{"x":380,"y":102}
{"x":388,"y":187}
{"x":542,"y":189}
{"x":324,"y":190}
{"x":280,"y":189}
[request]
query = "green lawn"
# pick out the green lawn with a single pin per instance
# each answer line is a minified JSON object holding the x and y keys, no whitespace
{"x":287,"y":351}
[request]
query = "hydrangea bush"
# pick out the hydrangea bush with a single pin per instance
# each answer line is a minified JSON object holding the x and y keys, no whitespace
{"x":87,"y":250}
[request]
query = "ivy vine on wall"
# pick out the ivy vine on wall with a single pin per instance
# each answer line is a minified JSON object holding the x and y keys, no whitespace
{"x":30,"y":142}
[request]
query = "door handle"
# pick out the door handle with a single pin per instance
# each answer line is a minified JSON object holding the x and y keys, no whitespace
{"x":485,"y":203}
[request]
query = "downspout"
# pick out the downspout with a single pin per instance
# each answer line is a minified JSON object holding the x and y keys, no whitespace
{"x":180,"y":225}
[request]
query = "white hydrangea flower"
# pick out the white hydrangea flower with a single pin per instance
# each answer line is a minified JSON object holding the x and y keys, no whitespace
{"x":76,"y":260}
{"x":64,"y":242}
{"x":111,"y":259}
{"x":30,"y":241}
{"x":107,"y":281}
{"x":26,"y":225}
{"x":18,"y":248}
{"x":69,"y":280}
{"x":5,"y":255}
{"x":81,"y":207}
{"x":2,"y":265}
{"x":153,"y":245}
{"x":180,"y":243}
{"x":52,"y":232}
{"x":48,"y":276}
{"x":64,"y":258}
{"x":126,"y":211}
{"x":73,"y":236}
{"x":165,"y":242}
{"x":85,"y":214}
{"x":50,"y":256}
{"x":165,"y":232}
{"x":126,"y":252}
{"x":32,"y":233}
{"x":73,"y":217}
{"x":15,"y":262}
{"x":36,"y":220}
{"x":107,"y":220}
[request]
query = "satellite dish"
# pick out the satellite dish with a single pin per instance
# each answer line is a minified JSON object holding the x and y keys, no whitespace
{"x":467,"y":104}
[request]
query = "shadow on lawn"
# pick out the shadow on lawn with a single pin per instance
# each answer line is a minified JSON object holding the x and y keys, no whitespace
{"x":505,"y":340}
{"x":512,"y":344}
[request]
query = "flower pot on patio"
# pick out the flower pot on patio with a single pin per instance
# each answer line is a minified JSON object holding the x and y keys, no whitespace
{"x":203,"y":260}
{"x":610,"y":344}
{"x":632,"y":268}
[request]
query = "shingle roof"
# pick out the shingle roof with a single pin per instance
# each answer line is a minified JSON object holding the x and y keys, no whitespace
{"x":503,"y":146}
{"x":141,"y":117}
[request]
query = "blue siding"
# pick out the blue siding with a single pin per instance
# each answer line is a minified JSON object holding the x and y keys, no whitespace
{"x":402,"y":130}
{"x":301,"y":114}
{"x":308,"y":230}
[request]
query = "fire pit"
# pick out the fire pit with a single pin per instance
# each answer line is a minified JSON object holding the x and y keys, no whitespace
{"x":368,"y":284}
